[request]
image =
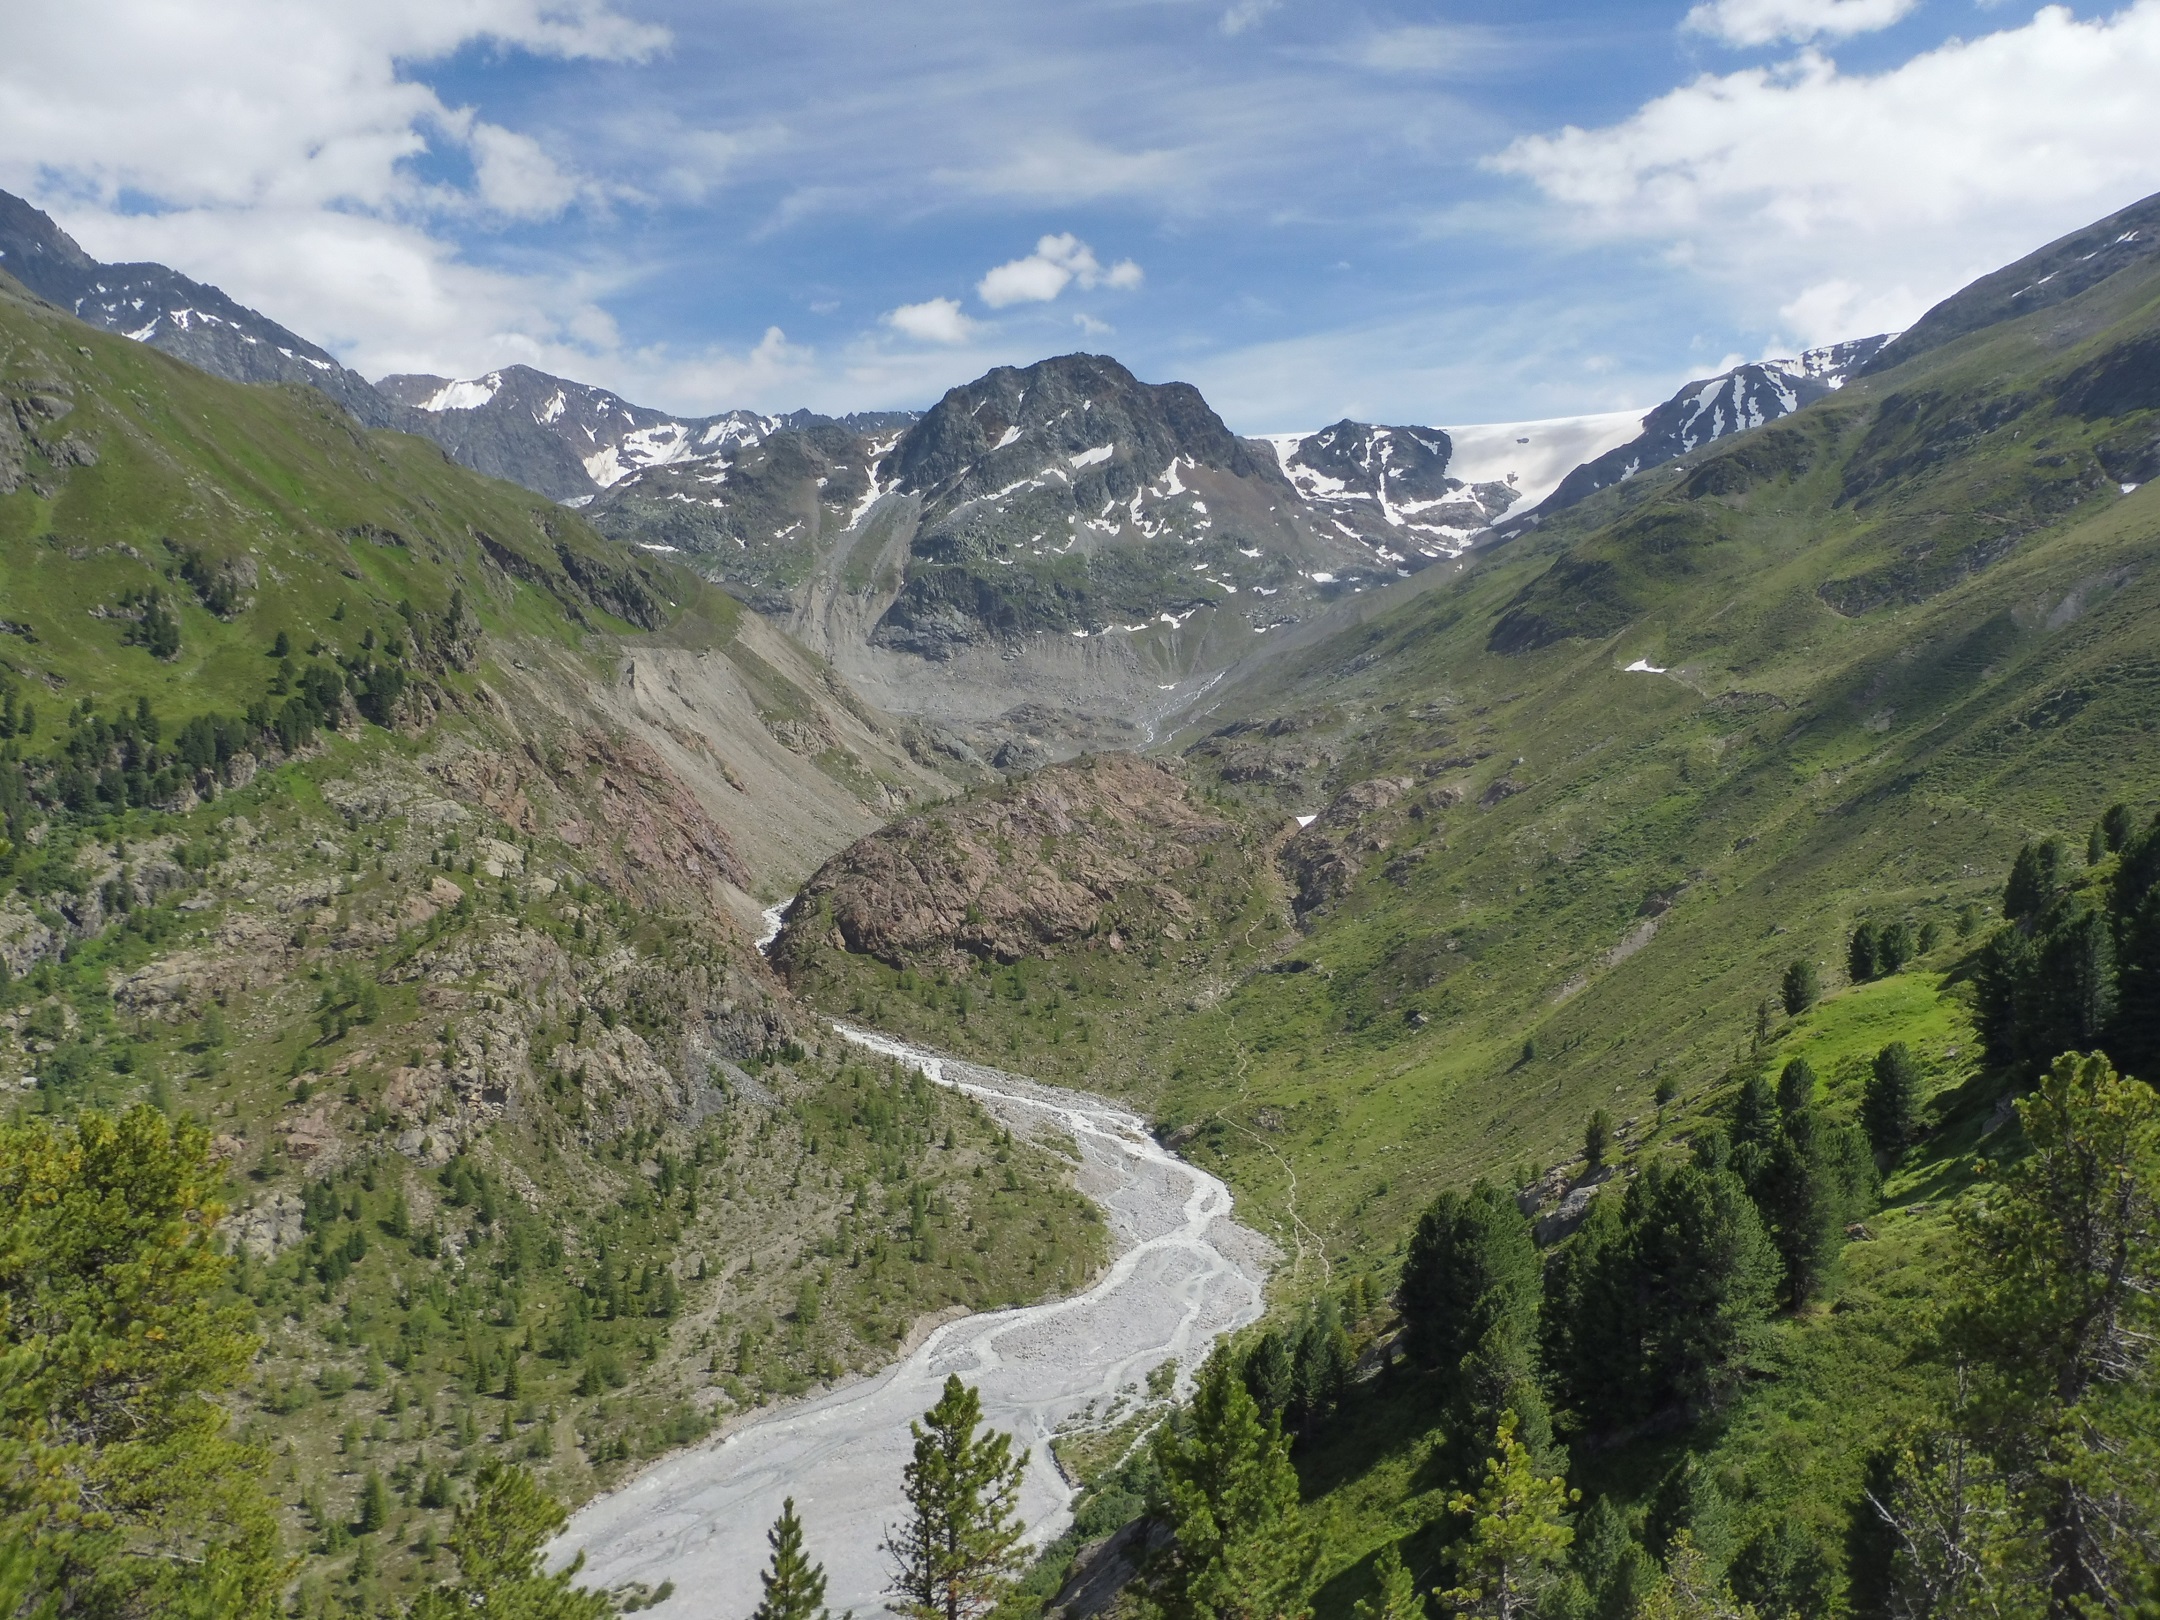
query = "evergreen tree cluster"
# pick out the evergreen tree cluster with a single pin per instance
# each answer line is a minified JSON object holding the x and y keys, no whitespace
{"x":2075,"y":964}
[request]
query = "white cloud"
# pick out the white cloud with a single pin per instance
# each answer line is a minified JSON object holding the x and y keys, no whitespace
{"x":515,"y":177}
{"x":936,"y":320}
{"x":1058,"y":262}
{"x":1242,"y":14}
{"x":1851,"y":201}
{"x":277,"y":145}
{"x":1763,"y":22}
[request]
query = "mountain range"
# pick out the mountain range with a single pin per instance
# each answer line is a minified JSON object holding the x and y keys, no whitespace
{"x":1653,"y":924}
{"x":946,"y":558}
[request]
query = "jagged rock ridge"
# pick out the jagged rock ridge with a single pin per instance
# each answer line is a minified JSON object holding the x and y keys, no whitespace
{"x":154,"y":304}
{"x":1715,"y":408}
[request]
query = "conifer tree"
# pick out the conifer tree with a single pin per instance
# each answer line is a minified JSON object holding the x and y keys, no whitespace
{"x":1597,"y":1139}
{"x":1395,"y":1594}
{"x":959,"y":1550}
{"x":1800,"y":989}
{"x":1816,"y":1180}
{"x":1890,"y":1107}
{"x":794,"y":1585}
{"x":1321,"y":1370}
{"x":374,"y":1504}
{"x":1225,"y":1490}
{"x":498,"y":1541}
{"x":1796,"y":1088}
{"x":1861,"y":960}
{"x":119,"y":1483}
{"x":1268,"y":1375}
{"x":1518,"y":1532}
{"x":2034,"y":877}
{"x":2065,"y":1316}
{"x":1691,"y":1589}
{"x":1471,"y":1295}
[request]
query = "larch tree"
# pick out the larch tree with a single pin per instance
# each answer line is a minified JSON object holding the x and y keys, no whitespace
{"x":2064,"y":1315}
{"x":119,"y":1484}
{"x":959,"y":1550}
{"x":1395,"y":1594}
{"x":1518,"y":1533}
{"x":498,"y":1540}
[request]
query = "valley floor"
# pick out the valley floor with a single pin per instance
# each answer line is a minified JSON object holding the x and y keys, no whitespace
{"x":1184,"y":1274}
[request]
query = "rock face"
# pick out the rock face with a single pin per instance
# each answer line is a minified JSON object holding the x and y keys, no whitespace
{"x":1391,"y":485}
{"x":154,"y":304}
{"x":1324,"y":859}
{"x":1088,"y":849}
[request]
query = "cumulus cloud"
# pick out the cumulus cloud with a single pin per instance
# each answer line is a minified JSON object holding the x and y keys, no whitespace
{"x":1850,"y":201}
{"x":289,"y":154}
{"x":936,"y":320}
{"x":1763,"y":22}
{"x":1058,"y":262}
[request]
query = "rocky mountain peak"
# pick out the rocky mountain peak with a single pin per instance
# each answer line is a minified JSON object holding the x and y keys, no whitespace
{"x":1714,"y":408}
{"x":1391,"y":486}
{"x":1081,"y":416}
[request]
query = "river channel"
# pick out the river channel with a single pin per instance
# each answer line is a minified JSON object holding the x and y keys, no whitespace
{"x":1184,"y":1274}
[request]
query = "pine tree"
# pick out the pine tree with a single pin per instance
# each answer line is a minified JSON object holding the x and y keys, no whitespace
{"x":959,"y":1550}
{"x":498,"y":1541}
{"x":2065,"y":1316}
{"x":2034,"y":877}
{"x":1268,"y":1376}
{"x":1611,"y":1564}
{"x":1471,"y":1298}
{"x":1395,"y":1595}
{"x":1800,"y":989}
{"x":1796,"y":1088}
{"x":794,"y":1586}
{"x":1815,"y":1181}
{"x":1893,"y":947}
{"x":1597,"y":1140}
{"x":1225,"y":1490}
{"x":1518,"y":1532}
{"x":1320,"y":1371}
{"x":1890,"y":1107}
{"x":1861,"y":960}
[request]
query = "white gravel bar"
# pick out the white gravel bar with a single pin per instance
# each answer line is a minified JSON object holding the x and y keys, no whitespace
{"x":1184,"y":1274}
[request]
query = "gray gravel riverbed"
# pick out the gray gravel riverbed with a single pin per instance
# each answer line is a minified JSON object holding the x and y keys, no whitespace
{"x":1184,"y":1274}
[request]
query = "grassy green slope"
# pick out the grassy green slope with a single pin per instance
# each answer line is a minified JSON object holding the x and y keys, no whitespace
{"x":530,"y":1156}
{"x":1890,"y":639}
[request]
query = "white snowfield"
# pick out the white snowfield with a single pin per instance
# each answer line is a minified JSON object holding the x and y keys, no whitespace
{"x":1497,"y":452}
{"x":1184,"y":1275}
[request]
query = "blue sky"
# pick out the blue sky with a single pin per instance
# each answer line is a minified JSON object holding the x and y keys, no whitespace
{"x":1404,"y":212}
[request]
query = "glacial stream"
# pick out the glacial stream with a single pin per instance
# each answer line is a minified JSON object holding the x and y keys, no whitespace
{"x":1184,"y":1273}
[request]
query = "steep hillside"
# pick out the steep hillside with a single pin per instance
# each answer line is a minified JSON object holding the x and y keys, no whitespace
{"x":172,"y":313}
{"x":410,"y":835}
{"x":1581,"y":837}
